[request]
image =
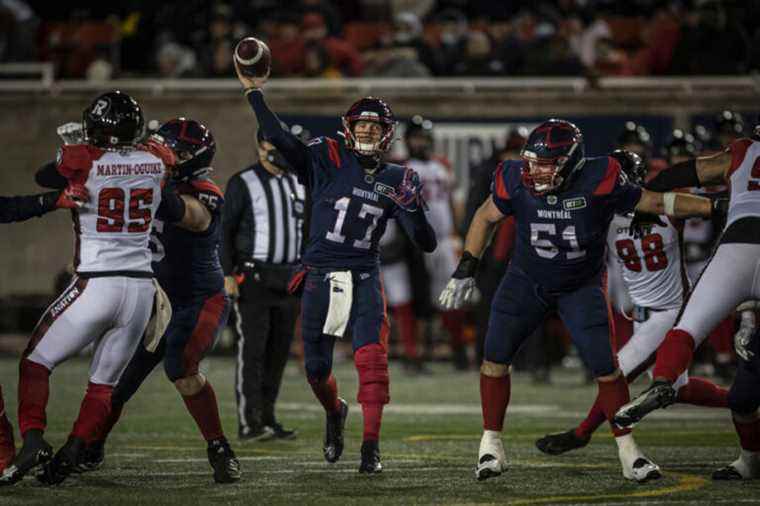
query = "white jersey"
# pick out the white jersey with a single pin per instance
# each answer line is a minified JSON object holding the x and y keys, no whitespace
{"x":438,"y":182}
{"x":744,"y":177}
{"x":652,"y":267}
{"x":113,"y":228}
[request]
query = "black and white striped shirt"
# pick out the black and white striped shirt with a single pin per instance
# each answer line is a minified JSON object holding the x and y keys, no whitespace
{"x":263,"y":218}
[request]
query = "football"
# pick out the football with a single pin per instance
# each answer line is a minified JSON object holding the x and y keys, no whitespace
{"x":253,"y":57}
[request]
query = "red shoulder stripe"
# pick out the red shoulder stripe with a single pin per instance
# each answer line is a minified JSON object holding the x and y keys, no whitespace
{"x":738,"y":150}
{"x":333,"y":151}
{"x":607,"y":184}
{"x":500,"y":187}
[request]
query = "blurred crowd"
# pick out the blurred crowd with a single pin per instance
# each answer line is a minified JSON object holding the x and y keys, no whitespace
{"x":337,"y":38}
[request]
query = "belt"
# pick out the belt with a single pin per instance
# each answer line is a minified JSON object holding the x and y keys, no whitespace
{"x":255,"y":265}
{"x":109,"y":274}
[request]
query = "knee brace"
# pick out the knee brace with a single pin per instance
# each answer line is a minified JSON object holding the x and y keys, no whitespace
{"x":371,"y":363}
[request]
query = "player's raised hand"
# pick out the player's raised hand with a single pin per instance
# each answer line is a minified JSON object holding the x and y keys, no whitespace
{"x":408,"y":194}
{"x":250,"y":82}
{"x":71,"y":133}
{"x":74,"y":196}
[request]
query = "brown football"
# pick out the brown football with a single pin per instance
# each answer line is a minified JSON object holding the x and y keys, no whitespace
{"x":253,"y":57}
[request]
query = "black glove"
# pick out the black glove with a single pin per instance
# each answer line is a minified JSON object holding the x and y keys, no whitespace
{"x":720,"y":208}
{"x":642,"y":224}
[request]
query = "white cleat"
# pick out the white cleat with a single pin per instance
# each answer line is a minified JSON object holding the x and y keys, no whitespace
{"x":492,"y":460}
{"x":746,"y":467}
{"x":641,"y":470}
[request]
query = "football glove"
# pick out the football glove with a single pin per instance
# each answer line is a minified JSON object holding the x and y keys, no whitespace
{"x":461,"y":289}
{"x":743,"y":336}
{"x":642,"y":224}
{"x":73,"y":197}
{"x":408,"y":194}
{"x":71,"y":133}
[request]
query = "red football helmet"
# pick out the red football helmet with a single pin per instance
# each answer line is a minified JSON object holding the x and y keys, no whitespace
{"x":369,"y":109}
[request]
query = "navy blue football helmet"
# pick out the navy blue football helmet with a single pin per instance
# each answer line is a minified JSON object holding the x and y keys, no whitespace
{"x":553,"y":152}
{"x":681,"y":143}
{"x":632,"y":165}
{"x":369,"y":109}
{"x":193,"y":145}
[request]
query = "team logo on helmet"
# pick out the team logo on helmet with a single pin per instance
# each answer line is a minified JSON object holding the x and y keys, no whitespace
{"x":369,"y":109}
{"x":553,"y":152}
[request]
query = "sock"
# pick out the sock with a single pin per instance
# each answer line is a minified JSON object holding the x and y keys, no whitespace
{"x":326,"y":391}
{"x":94,"y":410}
{"x":204,"y":409}
{"x":371,"y":363}
{"x":107,"y":426}
{"x":594,"y":419}
{"x":722,"y":338}
{"x":703,"y":392}
{"x":453,"y":321}
{"x":612,"y":395}
{"x":494,"y":399}
{"x":407,"y":329}
{"x":674,"y":355}
{"x":33,"y":393}
{"x":749,"y":434}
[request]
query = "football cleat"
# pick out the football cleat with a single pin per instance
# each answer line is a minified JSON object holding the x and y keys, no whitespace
{"x":281,"y":432}
{"x":35,"y":452}
{"x":334,"y":427}
{"x":561,"y":442}
{"x":660,"y":395}
{"x":222,"y":459}
{"x":746,"y":467}
{"x":492,"y":460}
{"x":642,"y":470}
{"x":7,"y":445}
{"x":370,"y":458}
{"x":64,"y":463}
{"x":259,"y":433}
{"x":92,"y":457}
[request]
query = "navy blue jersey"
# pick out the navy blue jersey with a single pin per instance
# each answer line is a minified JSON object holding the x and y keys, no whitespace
{"x":350,"y":208}
{"x":561,"y":238}
{"x":187,"y":263}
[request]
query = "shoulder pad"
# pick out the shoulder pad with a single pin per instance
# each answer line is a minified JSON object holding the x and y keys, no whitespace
{"x":76,"y":159}
{"x":611,"y":174}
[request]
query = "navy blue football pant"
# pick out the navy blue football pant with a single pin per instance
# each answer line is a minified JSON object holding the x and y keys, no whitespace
{"x":520,"y":305}
{"x":744,"y":395}
{"x":368,"y":322}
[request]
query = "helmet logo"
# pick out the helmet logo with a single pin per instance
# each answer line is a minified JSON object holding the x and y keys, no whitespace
{"x":101,"y":107}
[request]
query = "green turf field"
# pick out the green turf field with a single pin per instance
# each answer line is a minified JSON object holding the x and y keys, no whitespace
{"x":430,"y":440}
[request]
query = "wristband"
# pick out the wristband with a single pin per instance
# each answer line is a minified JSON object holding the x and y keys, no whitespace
{"x":467,"y":267}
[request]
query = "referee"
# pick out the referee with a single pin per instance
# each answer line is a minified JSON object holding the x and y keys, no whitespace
{"x":263,"y":230}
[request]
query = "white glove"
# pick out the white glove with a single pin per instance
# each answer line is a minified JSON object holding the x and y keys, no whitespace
{"x":743,"y":336}
{"x":459,"y":292}
{"x":71,"y":133}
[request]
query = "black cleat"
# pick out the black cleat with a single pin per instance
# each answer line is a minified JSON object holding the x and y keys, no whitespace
{"x":64,"y":463}
{"x":92,"y":457}
{"x":370,"y":458}
{"x":728,"y":473}
{"x":35,"y":452}
{"x":561,"y":442}
{"x":334,"y":427}
{"x":222,"y":459}
{"x":281,"y":432}
{"x":660,"y":395}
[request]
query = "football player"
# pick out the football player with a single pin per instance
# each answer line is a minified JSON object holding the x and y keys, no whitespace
{"x":354,"y":194}
{"x":744,"y":398}
{"x":110,"y":299}
{"x":21,"y":209}
{"x":654,"y":277}
{"x":185,"y":243}
{"x":563,"y":203}
{"x":729,"y":278}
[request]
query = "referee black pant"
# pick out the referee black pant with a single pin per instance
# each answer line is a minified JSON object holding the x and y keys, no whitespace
{"x":264,"y":323}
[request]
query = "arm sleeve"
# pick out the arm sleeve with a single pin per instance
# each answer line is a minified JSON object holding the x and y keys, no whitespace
{"x":234,"y":198}
{"x":499,"y":191}
{"x":680,"y":175}
{"x":25,"y":207}
{"x":291,"y":147}
{"x":418,"y":229}
{"x":48,"y":177}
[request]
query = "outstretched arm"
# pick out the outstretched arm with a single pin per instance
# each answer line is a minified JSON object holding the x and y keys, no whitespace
{"x":481,"y":229}
{"x":28,"y":206}
{"x":675,"y":205}
{"x":291,"y":147}
{"x":702,"y":171}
